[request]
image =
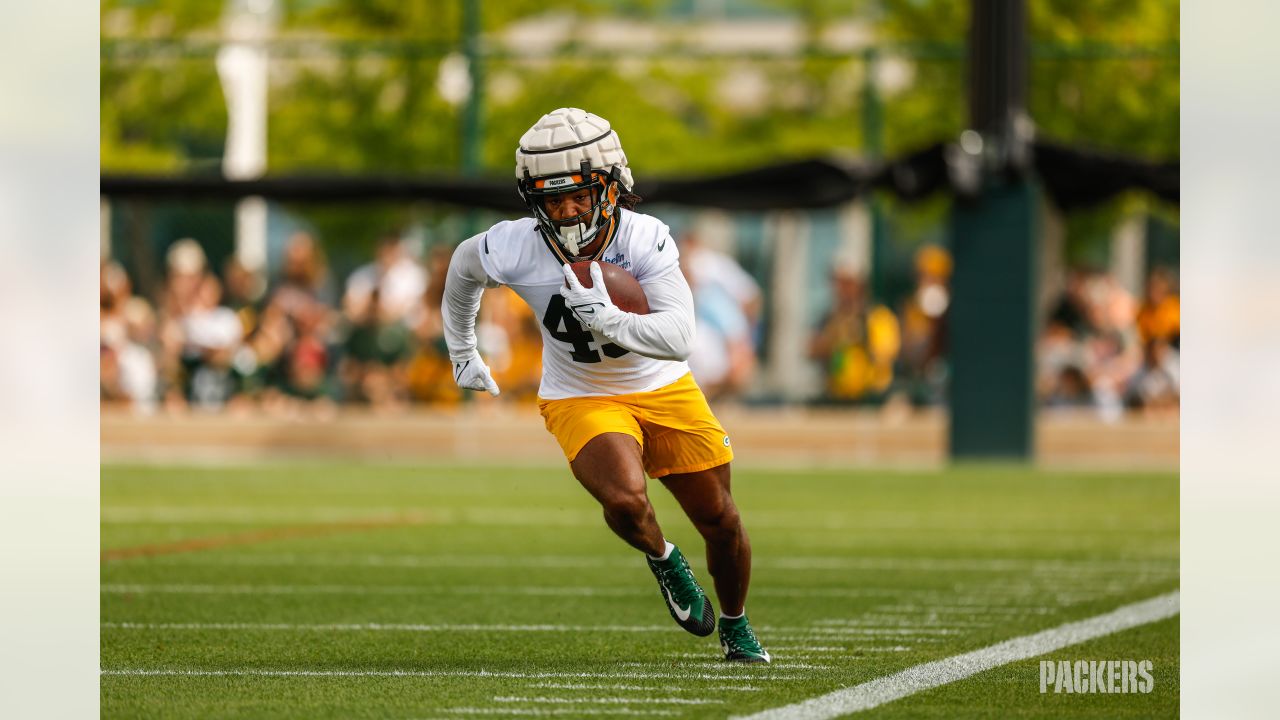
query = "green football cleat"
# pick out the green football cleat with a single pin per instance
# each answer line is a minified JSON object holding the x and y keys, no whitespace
{"x":684,"y":597}
{"x":739,"y":642}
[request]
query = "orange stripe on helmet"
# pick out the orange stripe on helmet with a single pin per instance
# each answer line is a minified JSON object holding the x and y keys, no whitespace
{"x":552,"y":183}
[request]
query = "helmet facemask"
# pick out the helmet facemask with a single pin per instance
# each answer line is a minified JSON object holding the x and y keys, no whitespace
{"x":576,"y":232}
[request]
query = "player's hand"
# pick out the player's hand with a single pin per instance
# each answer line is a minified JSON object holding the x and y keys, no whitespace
{"x":589,"y":304}
{"x":472,"y":374}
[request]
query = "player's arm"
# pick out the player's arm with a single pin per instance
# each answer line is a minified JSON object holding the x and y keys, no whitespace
{"x":464,"y":283}
{"x":666,"y":333}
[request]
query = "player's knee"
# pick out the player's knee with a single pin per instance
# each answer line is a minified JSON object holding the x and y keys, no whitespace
{"x":631,"y":508}
{"x":725,"y":525}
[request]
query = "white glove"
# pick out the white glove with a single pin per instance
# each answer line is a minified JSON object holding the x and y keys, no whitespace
{"x":472,"y":374}
{"x":592,"y":305}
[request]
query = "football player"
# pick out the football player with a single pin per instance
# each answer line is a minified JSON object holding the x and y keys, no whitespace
{"x":616,"y":391}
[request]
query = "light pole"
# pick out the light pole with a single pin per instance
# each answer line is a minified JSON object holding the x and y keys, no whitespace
{"x":243,"y":69}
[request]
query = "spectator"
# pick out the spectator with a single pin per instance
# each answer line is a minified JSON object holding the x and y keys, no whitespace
{"x":394,"y":279}
{"x":855,"y":343}
{"x":1155,"y":387}
{"x":509,"y":335}
{"x":430,"y":372}
{"x":723,"y":357}
{"x":139,"y":379}
{"x":922,"y":366}
{"x":243,"y":293}
{"x":718,"y":271}
{"x":212,"y":334}
{"x":1159,"y":316}
{"x":1099,"y":351}
{"x":185,"y":273}
{"x":304,"y":277}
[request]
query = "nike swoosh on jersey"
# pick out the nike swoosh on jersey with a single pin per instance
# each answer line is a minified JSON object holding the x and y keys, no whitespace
{"x":662,"y":244}
{"x":682,"y":614}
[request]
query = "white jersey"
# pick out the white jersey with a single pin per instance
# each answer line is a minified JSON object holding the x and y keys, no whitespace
{"x":576,"y":361}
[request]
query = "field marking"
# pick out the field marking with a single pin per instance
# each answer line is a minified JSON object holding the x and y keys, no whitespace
{"x":557,"y":711}
{"x":971,"y":601}
{"x":711,"y":664}
{"x":1058,"y":567}
{"x":640,"y":688}
{"x":532,"y":590}
{"x":894,"y":634}
{"x":212,"y":589}
{"x":437,"y":515}
{"x":605,"y":701}
{"x":389,"y":627}
{"x":948,"y":670}
{"x":258,"y":672}
{"x":520,"y":516}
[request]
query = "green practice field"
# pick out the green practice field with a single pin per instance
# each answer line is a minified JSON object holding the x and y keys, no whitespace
{"x":352,"y":591}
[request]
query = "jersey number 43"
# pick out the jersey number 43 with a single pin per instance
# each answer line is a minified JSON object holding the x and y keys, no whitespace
{"x":563,"y":326}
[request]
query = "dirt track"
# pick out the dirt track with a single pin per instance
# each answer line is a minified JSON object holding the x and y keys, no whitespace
{"x":773,"y":437}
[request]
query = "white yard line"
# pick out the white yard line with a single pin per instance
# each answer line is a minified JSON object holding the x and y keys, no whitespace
{"x":895,"y":634}
{"x":941,"y":672}
{"x":611,"y":711}
{"x":257,"y":672}
{"x":605,"y":701}
{"x":713,"y":664}
{"x":388,"y":627}
{"x":210,"y":589}
{"x":639,"y":688}
{"x":1059,"y":568}
{"x":533,"y":590}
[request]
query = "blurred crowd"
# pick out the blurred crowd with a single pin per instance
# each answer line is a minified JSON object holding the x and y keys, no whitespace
{"x":301,"y":342}
{"x":1103,"y":348}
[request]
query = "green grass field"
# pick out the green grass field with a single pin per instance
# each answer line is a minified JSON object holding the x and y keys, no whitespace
{"x":349,"y":591}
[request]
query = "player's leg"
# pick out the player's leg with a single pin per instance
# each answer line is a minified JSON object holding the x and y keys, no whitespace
{"x":609,"y":467}
{"x":705,"y":497}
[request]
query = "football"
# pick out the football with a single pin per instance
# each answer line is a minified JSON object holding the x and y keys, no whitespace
{"x":624,"y":290}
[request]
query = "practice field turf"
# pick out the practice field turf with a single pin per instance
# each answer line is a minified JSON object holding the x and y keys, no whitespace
{"x":349,"y":591}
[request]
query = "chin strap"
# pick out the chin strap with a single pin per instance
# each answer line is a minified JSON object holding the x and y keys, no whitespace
{"x":609,"y":232}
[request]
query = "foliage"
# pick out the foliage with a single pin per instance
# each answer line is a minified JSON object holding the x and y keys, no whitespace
{"x":354,"y":84}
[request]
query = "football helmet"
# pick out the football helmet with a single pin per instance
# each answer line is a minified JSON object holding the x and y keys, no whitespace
{"x":569,"y":150}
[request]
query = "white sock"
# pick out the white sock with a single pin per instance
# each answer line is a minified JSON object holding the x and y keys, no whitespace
{"x":666,"y":552}
{"x":733,"y":617}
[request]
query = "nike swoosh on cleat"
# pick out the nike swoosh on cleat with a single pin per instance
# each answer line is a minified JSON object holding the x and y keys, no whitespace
{"x":683,"y":615}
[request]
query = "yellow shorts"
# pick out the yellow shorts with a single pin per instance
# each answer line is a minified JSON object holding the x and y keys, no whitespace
{"x":674,"y":425}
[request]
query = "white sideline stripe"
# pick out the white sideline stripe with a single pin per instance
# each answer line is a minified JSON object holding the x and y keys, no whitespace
{"x":948,"y":670}
{"x":392,"y":627}
{"x":605,"y":701}
{"x":713,"y":664}
{"x":478,"y":627}
{"x":640,"y":688}
{"x":255,"y":672}
{"x":571,"y":591}
{"x":557,"y":711}
{"x":980,"y":605}
{"x":1058,"y":567}
{"x":206,"y":589}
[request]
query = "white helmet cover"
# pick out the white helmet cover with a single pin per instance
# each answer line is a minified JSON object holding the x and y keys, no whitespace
{"x":568,"y":150}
